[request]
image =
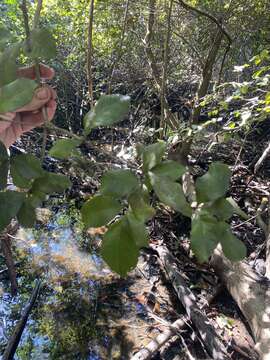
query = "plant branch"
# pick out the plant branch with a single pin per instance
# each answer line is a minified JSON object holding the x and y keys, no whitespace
{"x":209,"y":16}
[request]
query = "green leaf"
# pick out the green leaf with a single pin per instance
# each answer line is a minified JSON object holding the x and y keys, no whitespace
{"x":214,"y":184}
{"x":8,"y":65}
{"x":205,"y":235}
{"x":119,"y":183}
{"x":5,"y":36}
{"x":51,"y":183}
{"x":10,"y":204}
{"x":237,"y":208}
{"x":16,"y":94}
{"x":140,"y":208}
{"x":4,"y":165}
{"x":233,"y":248}
{"x":25,"y":168}
{"x":119,"y":249}
{"x":64,"y":148}
{"x":109,"y":110}
{"x":36,"y":198}
{"x":42,"y":44}
{"x":152,"y":155}
{"x":100,"y":210}
{"x":27,"y":215}
{"x":171,"y":169}
{"x":138,"y":231}
{"x":171,"y":194}
{"x":221,"y":208}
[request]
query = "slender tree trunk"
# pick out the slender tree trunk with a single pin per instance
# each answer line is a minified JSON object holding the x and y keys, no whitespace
{"x":90,"y":54}
{"x":172,"y":122}
{"x":207,"y":74}
{"x":165,"y":70}
{"x":119,"y":48}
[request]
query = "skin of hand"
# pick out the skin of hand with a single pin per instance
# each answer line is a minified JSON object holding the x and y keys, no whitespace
{"x":14,"y":124}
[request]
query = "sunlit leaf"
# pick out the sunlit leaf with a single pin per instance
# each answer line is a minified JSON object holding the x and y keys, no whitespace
{"x":8,"y":65}
{"x":51,"y":183}
{"x":137,"y":230}
{"x":119,"y":249}
{"x":16,"y":94}
{"x":109,"y":110}
{"x":214,"y":184}
{"x":119,"y":183}
{"x":233,"y":248}
{"x":152,"y":155}
{"x":64,"y":148}
{"x":205,"y":235}
{"x":100,"y":210}
{"x":140,"y":207}
{"x":221,"y":209}
{"x":42,"y":44}
{"x":171,"y":169}
{"x":171,"y":194}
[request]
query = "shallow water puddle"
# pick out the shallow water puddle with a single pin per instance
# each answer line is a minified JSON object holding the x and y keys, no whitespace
{"x":84,"y":311}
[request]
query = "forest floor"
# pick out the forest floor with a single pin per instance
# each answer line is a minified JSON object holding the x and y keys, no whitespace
{"x":84,"y":311}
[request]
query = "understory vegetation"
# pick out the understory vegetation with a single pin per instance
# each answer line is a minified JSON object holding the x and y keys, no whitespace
{"x":135,"y":224}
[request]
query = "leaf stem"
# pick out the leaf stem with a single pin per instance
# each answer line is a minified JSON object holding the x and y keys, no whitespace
{"x":24,"y":9}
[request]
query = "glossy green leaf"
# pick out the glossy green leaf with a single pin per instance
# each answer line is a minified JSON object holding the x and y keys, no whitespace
{"x":221,"y":209}
{"x":100,"y":210}
{"x":119,"y":183}
{"x":233,"y":248}
{"x":140,"y":207}
{"x":171,"y":194}
{"x":152,"y":155}
{"x":25,"y":168}
{"x":27,"y":215}
{"x":51,"y":183}
{"x":4,"y":165}
{"x":109,"y":110}
{"x":119,"y":249}
{"x":10,"y":204}
{"x":64,"y":148}
{"x":42,"y":44}
{"x":171,"y":169}
{"x":16,"y":94}
{"x":205,"y":235}
{"x":214,"y":184}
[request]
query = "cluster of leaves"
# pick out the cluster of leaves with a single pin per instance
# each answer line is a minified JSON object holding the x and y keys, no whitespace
{"x":209,"y":227}
{"x":33,"y":183}
{"x":248,"y":100}
{"x":16,"y":92}
{"x":121,"y":191}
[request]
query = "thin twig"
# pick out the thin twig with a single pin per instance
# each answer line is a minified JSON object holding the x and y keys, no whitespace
{"x":17,"y":333}
{"x":24,"y":9}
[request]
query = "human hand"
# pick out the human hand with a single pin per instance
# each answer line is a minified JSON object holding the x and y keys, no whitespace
{"x":14,"y":124}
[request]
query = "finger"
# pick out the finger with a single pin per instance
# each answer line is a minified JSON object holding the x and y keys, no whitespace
{"x":29,"y":72}
{"x":30,"y":120}
{"x":41,"y":97}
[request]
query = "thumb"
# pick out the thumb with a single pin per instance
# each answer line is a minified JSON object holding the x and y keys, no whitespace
{"x":40,"y":98}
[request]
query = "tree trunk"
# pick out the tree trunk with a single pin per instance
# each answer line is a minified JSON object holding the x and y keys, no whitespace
{"x":251,"y":293}
{"x":90,"y":54}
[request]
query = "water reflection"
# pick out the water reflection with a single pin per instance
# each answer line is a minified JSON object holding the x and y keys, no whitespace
{"x":54,"y":248}
{"x":84,"y":311}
